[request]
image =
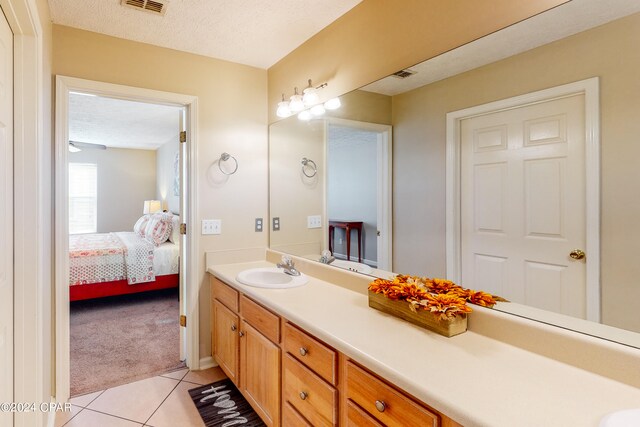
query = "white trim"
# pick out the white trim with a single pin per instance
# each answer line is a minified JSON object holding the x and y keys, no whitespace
{"x":64,"y":85}
{"x":207,"y":362}
{"x":590,"y":89}
{"x":32,"y":211}
{"x":384,"y":185}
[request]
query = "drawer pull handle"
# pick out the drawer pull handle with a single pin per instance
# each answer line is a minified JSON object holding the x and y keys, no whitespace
{"x":380,"y":405}
{"x":241,"y":334}
{"x":303,"y":395}
{"x":303,"y":351}
{"x":234,"y":327}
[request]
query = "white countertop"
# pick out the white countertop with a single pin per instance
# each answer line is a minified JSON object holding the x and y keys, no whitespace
{"x":473,"y":379}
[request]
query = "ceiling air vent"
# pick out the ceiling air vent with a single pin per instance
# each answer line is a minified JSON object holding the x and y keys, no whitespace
{"x":403,"y":74}
{"x":153,"y":6}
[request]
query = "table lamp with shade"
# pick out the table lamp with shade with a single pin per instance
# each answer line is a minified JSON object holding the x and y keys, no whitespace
{"x":151,"y":206}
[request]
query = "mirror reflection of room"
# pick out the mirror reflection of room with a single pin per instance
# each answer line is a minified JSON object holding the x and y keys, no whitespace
{"x":520,"y":61}
{"x":124,"y":211}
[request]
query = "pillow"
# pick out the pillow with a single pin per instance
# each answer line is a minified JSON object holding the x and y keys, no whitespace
{"x":175,"y":230}
{"x":141,"y":224}
{"x":158,"y":228}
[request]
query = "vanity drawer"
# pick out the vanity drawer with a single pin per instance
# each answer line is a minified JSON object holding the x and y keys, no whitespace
{"x":260,"y":318}
{"x":316,"y":400}
{"x":292,"y":418}
{"x":225,"y":294}
{"x":311,"y":352}
{"x":356,"y":417}
{"x":385,"y":403}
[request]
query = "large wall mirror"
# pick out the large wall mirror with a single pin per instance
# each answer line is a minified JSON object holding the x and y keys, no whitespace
{"x":507,"y":165}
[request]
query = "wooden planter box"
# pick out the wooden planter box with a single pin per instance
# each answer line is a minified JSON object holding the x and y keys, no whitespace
{"x":422,"y":318}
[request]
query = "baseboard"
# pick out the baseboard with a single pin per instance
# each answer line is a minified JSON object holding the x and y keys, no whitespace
{"x":207,"y":362}
{"x":369,"y":262}
{"x":51,"y":416}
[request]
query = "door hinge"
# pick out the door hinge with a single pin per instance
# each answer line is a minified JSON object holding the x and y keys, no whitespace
{"x":183,"y":136}
{"x":183,"y":320}
{"x":183,"y":228}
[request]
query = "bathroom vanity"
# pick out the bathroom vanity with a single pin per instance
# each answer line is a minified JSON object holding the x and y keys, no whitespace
{"x":318,"y":355}
{"x":290,"y":377}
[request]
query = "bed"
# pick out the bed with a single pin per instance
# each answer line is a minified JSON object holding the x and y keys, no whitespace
{"x":107,"y":264}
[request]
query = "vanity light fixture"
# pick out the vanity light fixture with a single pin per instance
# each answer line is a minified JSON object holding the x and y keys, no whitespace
{"x":307,"y":105}
{"x":317,"y":110}
{"x":332,"y":104}
{"x":305,"y":115}
{"x":296,"y":104}
{"x":310,"y":96}
{"x":283,"y":108}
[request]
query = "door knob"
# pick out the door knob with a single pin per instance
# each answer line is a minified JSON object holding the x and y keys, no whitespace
{"x":577,"y":254}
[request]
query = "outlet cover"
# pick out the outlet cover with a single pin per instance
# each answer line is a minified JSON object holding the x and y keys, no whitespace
{"x":258,"y":225}
{"x":276,"y":223}
{"x":314,"y":221}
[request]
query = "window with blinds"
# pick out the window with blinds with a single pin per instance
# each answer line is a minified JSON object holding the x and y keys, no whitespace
{"x":83,"y":198}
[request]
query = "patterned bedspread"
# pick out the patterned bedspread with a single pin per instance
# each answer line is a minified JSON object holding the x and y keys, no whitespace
{"x":105,"y":257}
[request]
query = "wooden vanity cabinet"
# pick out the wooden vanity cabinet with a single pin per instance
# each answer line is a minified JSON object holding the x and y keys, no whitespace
{"x":226,"y":340}
{"x":291,"y":378}
{"x":245,"y":343}
{"x":260,"y":379}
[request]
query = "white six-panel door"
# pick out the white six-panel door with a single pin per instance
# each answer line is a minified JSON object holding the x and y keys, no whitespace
{"x":523,"y":204}
{"x":6,"y":218}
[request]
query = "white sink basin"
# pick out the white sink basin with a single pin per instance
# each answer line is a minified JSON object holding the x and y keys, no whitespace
{"x":353,"y":266}
{"x":626,"y":418}
{"x":270,"y":277}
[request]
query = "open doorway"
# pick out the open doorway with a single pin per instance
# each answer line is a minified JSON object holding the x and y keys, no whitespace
{"x":358,"y":199}
{"x":122,"y":248}
{"x":124,"y":240}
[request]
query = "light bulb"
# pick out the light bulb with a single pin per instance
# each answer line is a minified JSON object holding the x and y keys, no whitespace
{"x":305,"y":115}
{"x":283,"y":109}
{"x":295,"y":102}
{"x":332,"y":104}
{"x":310,"y":96}
{"x":317,"y":110}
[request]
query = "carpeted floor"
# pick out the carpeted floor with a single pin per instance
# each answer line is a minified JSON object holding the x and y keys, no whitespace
{"x":118,"y":340}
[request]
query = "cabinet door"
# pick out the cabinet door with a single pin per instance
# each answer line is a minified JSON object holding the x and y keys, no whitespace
{"x":225,"y":340}
{"x":260,"y":380}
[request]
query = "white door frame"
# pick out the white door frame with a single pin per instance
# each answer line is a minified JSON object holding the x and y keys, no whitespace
{"x":64,"y":85}
{"x":32,"y":210}
{"x":590,"y":89}
{"x":384,"y":184}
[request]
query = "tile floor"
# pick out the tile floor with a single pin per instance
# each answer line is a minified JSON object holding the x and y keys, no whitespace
{"x":161,"y":401}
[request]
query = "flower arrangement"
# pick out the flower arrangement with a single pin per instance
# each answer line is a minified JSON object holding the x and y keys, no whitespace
{"x":441,"y":297}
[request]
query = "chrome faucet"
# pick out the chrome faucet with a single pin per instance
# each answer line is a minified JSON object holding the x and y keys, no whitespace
{"x":326,"y":257}
{"x":288,"y":266}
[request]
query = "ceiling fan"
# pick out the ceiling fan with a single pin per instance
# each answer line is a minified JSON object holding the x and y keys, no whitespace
{"x":75,"y":146}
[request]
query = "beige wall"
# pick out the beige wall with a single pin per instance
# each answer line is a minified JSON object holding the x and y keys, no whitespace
{"x":126,"y":178}
{"x":609,"y":52}
{"x":232,"y":118}
{"x":379,"y":37}
{"x":165,"y":158}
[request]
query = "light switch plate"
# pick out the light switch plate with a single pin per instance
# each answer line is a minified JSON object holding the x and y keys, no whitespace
{"x":314,"y":221}
{"x":211,"y":226}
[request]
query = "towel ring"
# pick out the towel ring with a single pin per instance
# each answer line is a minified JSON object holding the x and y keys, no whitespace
{"x":312,"y":165}
{"x":223,"y":158}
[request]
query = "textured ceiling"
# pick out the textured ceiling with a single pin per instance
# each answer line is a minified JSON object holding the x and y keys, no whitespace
{"x":252,"y":32}
{"x":562,"y":21}
{"x":121,"y":124}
